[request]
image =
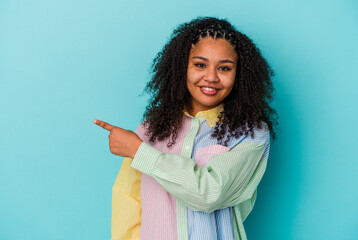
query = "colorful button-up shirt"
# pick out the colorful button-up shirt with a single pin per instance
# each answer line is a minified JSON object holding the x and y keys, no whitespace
{"x":197,"y":189}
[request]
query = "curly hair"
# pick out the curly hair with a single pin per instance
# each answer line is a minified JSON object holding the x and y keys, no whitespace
{"x":245,"y":108}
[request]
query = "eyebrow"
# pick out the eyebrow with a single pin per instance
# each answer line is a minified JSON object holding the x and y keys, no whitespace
{"x":207,"y":60}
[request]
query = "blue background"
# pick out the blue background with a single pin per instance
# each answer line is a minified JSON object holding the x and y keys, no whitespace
{"x":65,"y":63}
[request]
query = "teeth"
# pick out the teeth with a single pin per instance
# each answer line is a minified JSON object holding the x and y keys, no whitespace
{"x":209,"y":89}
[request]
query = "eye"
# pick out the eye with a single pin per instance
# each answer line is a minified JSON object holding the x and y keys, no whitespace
{"x":200,"y":65}
{"x":224,"y":68}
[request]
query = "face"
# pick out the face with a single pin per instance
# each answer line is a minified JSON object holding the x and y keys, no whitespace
{"x":211,"y":73}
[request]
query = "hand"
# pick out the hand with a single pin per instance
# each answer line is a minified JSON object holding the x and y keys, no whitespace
{"x":122,"y":142}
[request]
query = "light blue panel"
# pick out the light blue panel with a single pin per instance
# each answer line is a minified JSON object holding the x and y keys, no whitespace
{"x":65,"y":63}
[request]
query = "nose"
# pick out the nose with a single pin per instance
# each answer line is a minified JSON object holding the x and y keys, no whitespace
{"x":211,"y":75}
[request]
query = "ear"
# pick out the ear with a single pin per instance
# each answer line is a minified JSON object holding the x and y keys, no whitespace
{"x":192,"y":47}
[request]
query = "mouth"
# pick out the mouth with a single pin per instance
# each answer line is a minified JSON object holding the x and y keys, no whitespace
{"x":209,"y":91}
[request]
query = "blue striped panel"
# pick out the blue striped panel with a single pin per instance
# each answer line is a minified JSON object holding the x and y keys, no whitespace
{"x":219,"y":224}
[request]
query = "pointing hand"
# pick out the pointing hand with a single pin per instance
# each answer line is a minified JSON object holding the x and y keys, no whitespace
{"x":122,"y":142}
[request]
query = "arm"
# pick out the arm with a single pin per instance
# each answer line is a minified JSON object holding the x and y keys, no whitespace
{"x":228,"y":179}
{"x":126,"y":203}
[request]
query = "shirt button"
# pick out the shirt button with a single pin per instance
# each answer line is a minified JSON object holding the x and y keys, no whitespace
{"x":187,"y":147}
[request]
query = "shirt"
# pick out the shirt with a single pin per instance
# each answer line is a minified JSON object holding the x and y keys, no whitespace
{"x":197,"y":189}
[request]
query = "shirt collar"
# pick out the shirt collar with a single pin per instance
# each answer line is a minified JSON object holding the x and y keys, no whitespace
{"x":210,"y":115}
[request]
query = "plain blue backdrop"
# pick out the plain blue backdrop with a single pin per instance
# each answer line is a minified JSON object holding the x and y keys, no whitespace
{"x":65,"y":63}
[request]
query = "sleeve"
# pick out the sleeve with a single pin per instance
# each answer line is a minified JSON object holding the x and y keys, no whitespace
{"x":228,"y":179}
{"x":126,"y":203}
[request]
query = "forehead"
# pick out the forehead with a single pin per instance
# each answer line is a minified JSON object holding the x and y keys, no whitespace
{"x":214,"y":47}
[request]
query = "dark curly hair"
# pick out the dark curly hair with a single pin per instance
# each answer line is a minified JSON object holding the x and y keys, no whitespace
{"x":245,"y":108}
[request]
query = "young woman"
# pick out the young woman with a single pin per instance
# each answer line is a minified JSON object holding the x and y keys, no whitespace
{"x":192,"y":168}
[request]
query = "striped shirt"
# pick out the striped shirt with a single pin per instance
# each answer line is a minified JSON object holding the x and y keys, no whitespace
{"x":197,"y":189}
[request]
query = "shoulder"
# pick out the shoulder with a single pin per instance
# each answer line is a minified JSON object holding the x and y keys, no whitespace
{"x":259,"y":139}
{"x":141,"y":131}
{"x":259,"y":135}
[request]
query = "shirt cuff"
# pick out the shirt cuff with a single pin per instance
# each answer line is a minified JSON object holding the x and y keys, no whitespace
{"x":145,"y":158}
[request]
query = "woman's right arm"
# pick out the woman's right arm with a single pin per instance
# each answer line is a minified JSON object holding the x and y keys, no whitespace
{"x":228,"y":179}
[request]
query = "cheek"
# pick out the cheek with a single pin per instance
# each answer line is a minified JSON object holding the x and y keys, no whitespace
{"x":229,"y":86}
{"x":193,"y":76}
{"x":229,"y":83}
{"x":189,"y":86}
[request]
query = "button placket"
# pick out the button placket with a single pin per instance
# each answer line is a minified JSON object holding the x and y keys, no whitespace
{"x":182,"y":211}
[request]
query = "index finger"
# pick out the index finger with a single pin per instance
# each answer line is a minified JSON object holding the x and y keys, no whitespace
{"x":104,"y":125}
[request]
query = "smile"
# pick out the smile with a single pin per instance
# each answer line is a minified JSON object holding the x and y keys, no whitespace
{"x":208,"y":91}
